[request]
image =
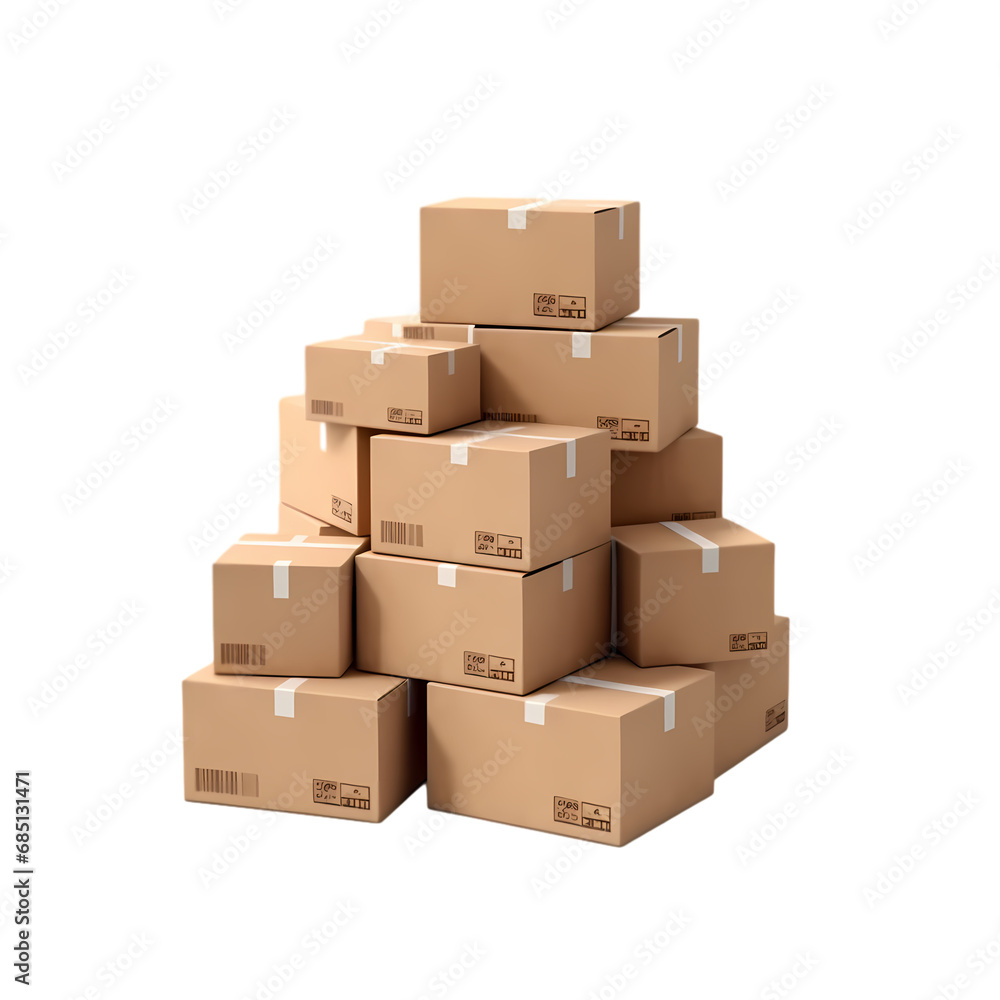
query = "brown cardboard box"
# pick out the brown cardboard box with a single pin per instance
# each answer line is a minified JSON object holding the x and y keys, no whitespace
{"x":412,"y":328}
{"x":353,"y":747}
{"x":683,"y":482}
{"x":628,"y":378}
{"x":501,"y":495}
{"x":282,"y":605}
{"x":604,"y":754}
{"x":488,"y":628}
{"x":692,"y":596}
{"x":750,"y":706}
{"x":296,"y":522}
{"x":420,"y":388}
{"x":328,"y":473}
{"x":565,"y":265}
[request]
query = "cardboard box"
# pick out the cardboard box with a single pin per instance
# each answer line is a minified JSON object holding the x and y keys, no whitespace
{"x":604,"y":754}
{"x":692,"y":596}
{"x":505,"y":496}
{"x":683,"y":482}
{"x":495,"y":629}
{"x":565,"y":265}
{"x":637,"y":378}
{"x":297,"y":522}
{"x":393,"y":385}
{"x":353,"y":747}
{"x":328,"y":471}
{"x":283,"y":605}
{"x":750,"y":706}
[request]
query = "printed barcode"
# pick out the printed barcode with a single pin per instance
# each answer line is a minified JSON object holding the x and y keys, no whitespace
{"x":327,"y":408}
{"x":403,"y":533}
{"x":510,"y":416}
{"x":418,"y":333}
{"x":219,"y":782}
{"x":243,"y":654}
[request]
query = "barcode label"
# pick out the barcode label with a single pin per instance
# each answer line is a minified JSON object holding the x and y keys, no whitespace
{"x":219,"y":782}
{"x":510,"y":416}
{"x":327,"y":408}
{"x":418,"y":333}
{"x":243,"y":654}
{"x":403,"y":533}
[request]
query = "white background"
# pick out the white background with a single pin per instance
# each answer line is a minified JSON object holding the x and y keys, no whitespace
{"x":828,"y":446}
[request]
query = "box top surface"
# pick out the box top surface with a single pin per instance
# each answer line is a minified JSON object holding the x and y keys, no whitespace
{"x":674,"y":536}
{"x":494,"y":435}
{"x":302,"y":550}
{"x":613,"y":687}
{"x":575,"y":206}
{"x":365,"y":345}
{"x":353,"y":684}
{"x":412,"y":320}
{"x":629,"y":328}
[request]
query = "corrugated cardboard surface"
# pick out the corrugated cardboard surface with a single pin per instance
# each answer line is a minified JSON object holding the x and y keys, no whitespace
{"x":499,"y":630}
{"x":637,"y":378}
{"x":284,"y":607}
{"x":672,"y":609}
{"x":354,"y":747}
{"x":392,"y":385}
{"x":578,"y":759}
{"x":524,"y":498}
{"x":572,"y":265}
{"x":325,"y":469}
{"x":750,"y":707}
{"x":683,"y":482}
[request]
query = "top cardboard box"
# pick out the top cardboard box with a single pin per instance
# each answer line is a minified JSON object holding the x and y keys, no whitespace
{"x":562,"y":265}
{"x":392,"y":385}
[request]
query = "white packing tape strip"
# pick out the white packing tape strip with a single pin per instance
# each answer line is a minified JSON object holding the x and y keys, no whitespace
{"x":446,"y":574}
{"x":680,"y":344}
{"x":571,"y":458}
{"x":517,"y":218}
{"x":322,"y":435}
{"x":459,"y":454}
{"x":567,"y":574}
{"x":709,"y":550}
{"x":581,"y":344}
{"x":451,"y":362}
{"x":284,"y":697}
{"x":534,"y":708}
{"x":667,"y":696}
{"x":621,"y":222}
{"x":471,"y":334}
{"x":280,"y":578}
{"x":378,"y":355}
{"x":397,"y":331}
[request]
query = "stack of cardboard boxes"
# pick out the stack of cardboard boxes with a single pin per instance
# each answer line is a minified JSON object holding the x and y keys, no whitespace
{"x":501,"y":564}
